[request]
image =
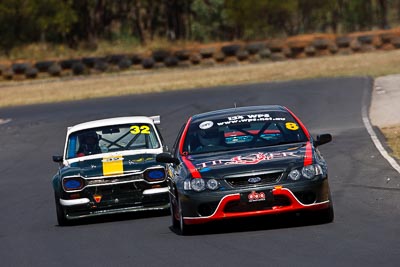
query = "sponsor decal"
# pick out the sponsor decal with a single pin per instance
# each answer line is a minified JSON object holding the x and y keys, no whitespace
{"x":249,"y":118}
{"x":139,"y":160}
{"x":250,"y":159}
{"x":206,"y":125}
{"x":254,"y":196}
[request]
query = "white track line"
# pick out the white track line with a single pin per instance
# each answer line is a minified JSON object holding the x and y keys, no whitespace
{"x":374,"y":137}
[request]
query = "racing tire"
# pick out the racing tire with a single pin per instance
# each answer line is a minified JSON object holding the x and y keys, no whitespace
{"x":61,"y":214}
{"x":184,"y":228}
{"x":174,"y":213}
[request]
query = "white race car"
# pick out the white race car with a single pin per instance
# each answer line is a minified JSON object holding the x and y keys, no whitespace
{"x":108,"y":167}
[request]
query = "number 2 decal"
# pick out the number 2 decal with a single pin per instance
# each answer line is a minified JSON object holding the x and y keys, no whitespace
{"x":143,"y":129}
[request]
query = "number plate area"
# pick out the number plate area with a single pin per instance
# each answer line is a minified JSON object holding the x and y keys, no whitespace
{"x":257,"y":196}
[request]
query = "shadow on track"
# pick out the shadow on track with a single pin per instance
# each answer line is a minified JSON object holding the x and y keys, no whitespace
{"x":109,"y":218}
{"x":268,"y":222}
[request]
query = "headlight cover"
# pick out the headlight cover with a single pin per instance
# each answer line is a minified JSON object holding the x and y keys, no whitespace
{"x":200,"y":184}
{"x":294,"y":175}
{"x":154,"y":175}
{"x":212,"y":184}
{"x":73,"y":183}
{"x":308,"y":172}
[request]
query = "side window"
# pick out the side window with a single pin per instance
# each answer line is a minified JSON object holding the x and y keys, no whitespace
{"x":175,"y":149}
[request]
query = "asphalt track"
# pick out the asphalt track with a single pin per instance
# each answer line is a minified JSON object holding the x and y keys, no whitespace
{"x":365,"y":189}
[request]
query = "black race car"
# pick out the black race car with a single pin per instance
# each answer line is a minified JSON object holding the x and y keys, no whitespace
{"x":246,"y":161}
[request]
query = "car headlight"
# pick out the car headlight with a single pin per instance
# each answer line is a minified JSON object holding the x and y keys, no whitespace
{"x":212,"y":184}
{"x":73,"y":183}
{"x":308,"y":171}
{"x":294,"y":175}
{"x":198,"y":184}
{"x":153,"y":175}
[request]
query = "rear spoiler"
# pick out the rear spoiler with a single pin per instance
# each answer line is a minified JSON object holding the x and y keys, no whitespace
{"x":156,"y":119}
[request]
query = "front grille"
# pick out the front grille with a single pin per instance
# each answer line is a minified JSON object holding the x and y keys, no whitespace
{"x":239,"y":206}
{"x":114,"y":180}
{"x":126,"y":193}
{"x":264,"y":179}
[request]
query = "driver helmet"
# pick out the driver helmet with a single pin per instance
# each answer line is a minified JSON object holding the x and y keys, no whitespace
{"x":89,"y":143}
{"x":209,"y":137}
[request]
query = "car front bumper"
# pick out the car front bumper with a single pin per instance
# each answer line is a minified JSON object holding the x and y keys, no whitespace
{"x":198,"y":208}
{"x":150,"y":199}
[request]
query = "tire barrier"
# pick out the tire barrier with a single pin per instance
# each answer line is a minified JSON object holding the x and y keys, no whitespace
{"x":160,"y":55}
{"x":234,"y":53}
{"x":54,"y":70}
{"x":78,"y":68}
{"x":207,"y":52}
{"x":254,"y":48}
{"x":43,"y":66}
{"x":101,"y":65}
{"x":231,"y":50}
{"x":148,"y":63}
{"x":31,"y":73}
{"x":195,"y":59}
{"x":171,"y":61}
{"x":20,"y":68}
{"x":182,"y":55}
{"x":124,"y":64}
{"x":136,"y":59}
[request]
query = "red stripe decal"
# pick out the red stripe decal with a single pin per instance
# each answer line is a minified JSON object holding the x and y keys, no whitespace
{"x":184,"y":136}
{"x":308,"y":157}
{"x":193,"y":171}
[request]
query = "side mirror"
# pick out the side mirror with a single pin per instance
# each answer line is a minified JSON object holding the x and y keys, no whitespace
{"x":167,"y":158}
{"x":58,"y":159}
{"x":322,"y":139}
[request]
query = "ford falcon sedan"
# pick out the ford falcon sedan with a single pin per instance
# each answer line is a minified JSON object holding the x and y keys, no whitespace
{"x":243,"y":162}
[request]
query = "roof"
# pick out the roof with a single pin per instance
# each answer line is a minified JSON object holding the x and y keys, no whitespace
{"x":110,"y":122}
{"x":237,"y":111}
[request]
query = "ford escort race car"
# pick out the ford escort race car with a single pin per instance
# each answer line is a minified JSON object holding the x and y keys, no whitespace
{"x":109,"y":166}
{"x":243,"y":162}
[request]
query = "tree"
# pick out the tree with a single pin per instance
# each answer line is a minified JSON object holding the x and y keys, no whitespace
{"x":209,"y":21}
{"x":23,"y":21}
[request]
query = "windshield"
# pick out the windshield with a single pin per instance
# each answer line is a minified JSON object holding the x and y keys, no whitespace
{"x":110,"y":139}
{"x":242,"y":131}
